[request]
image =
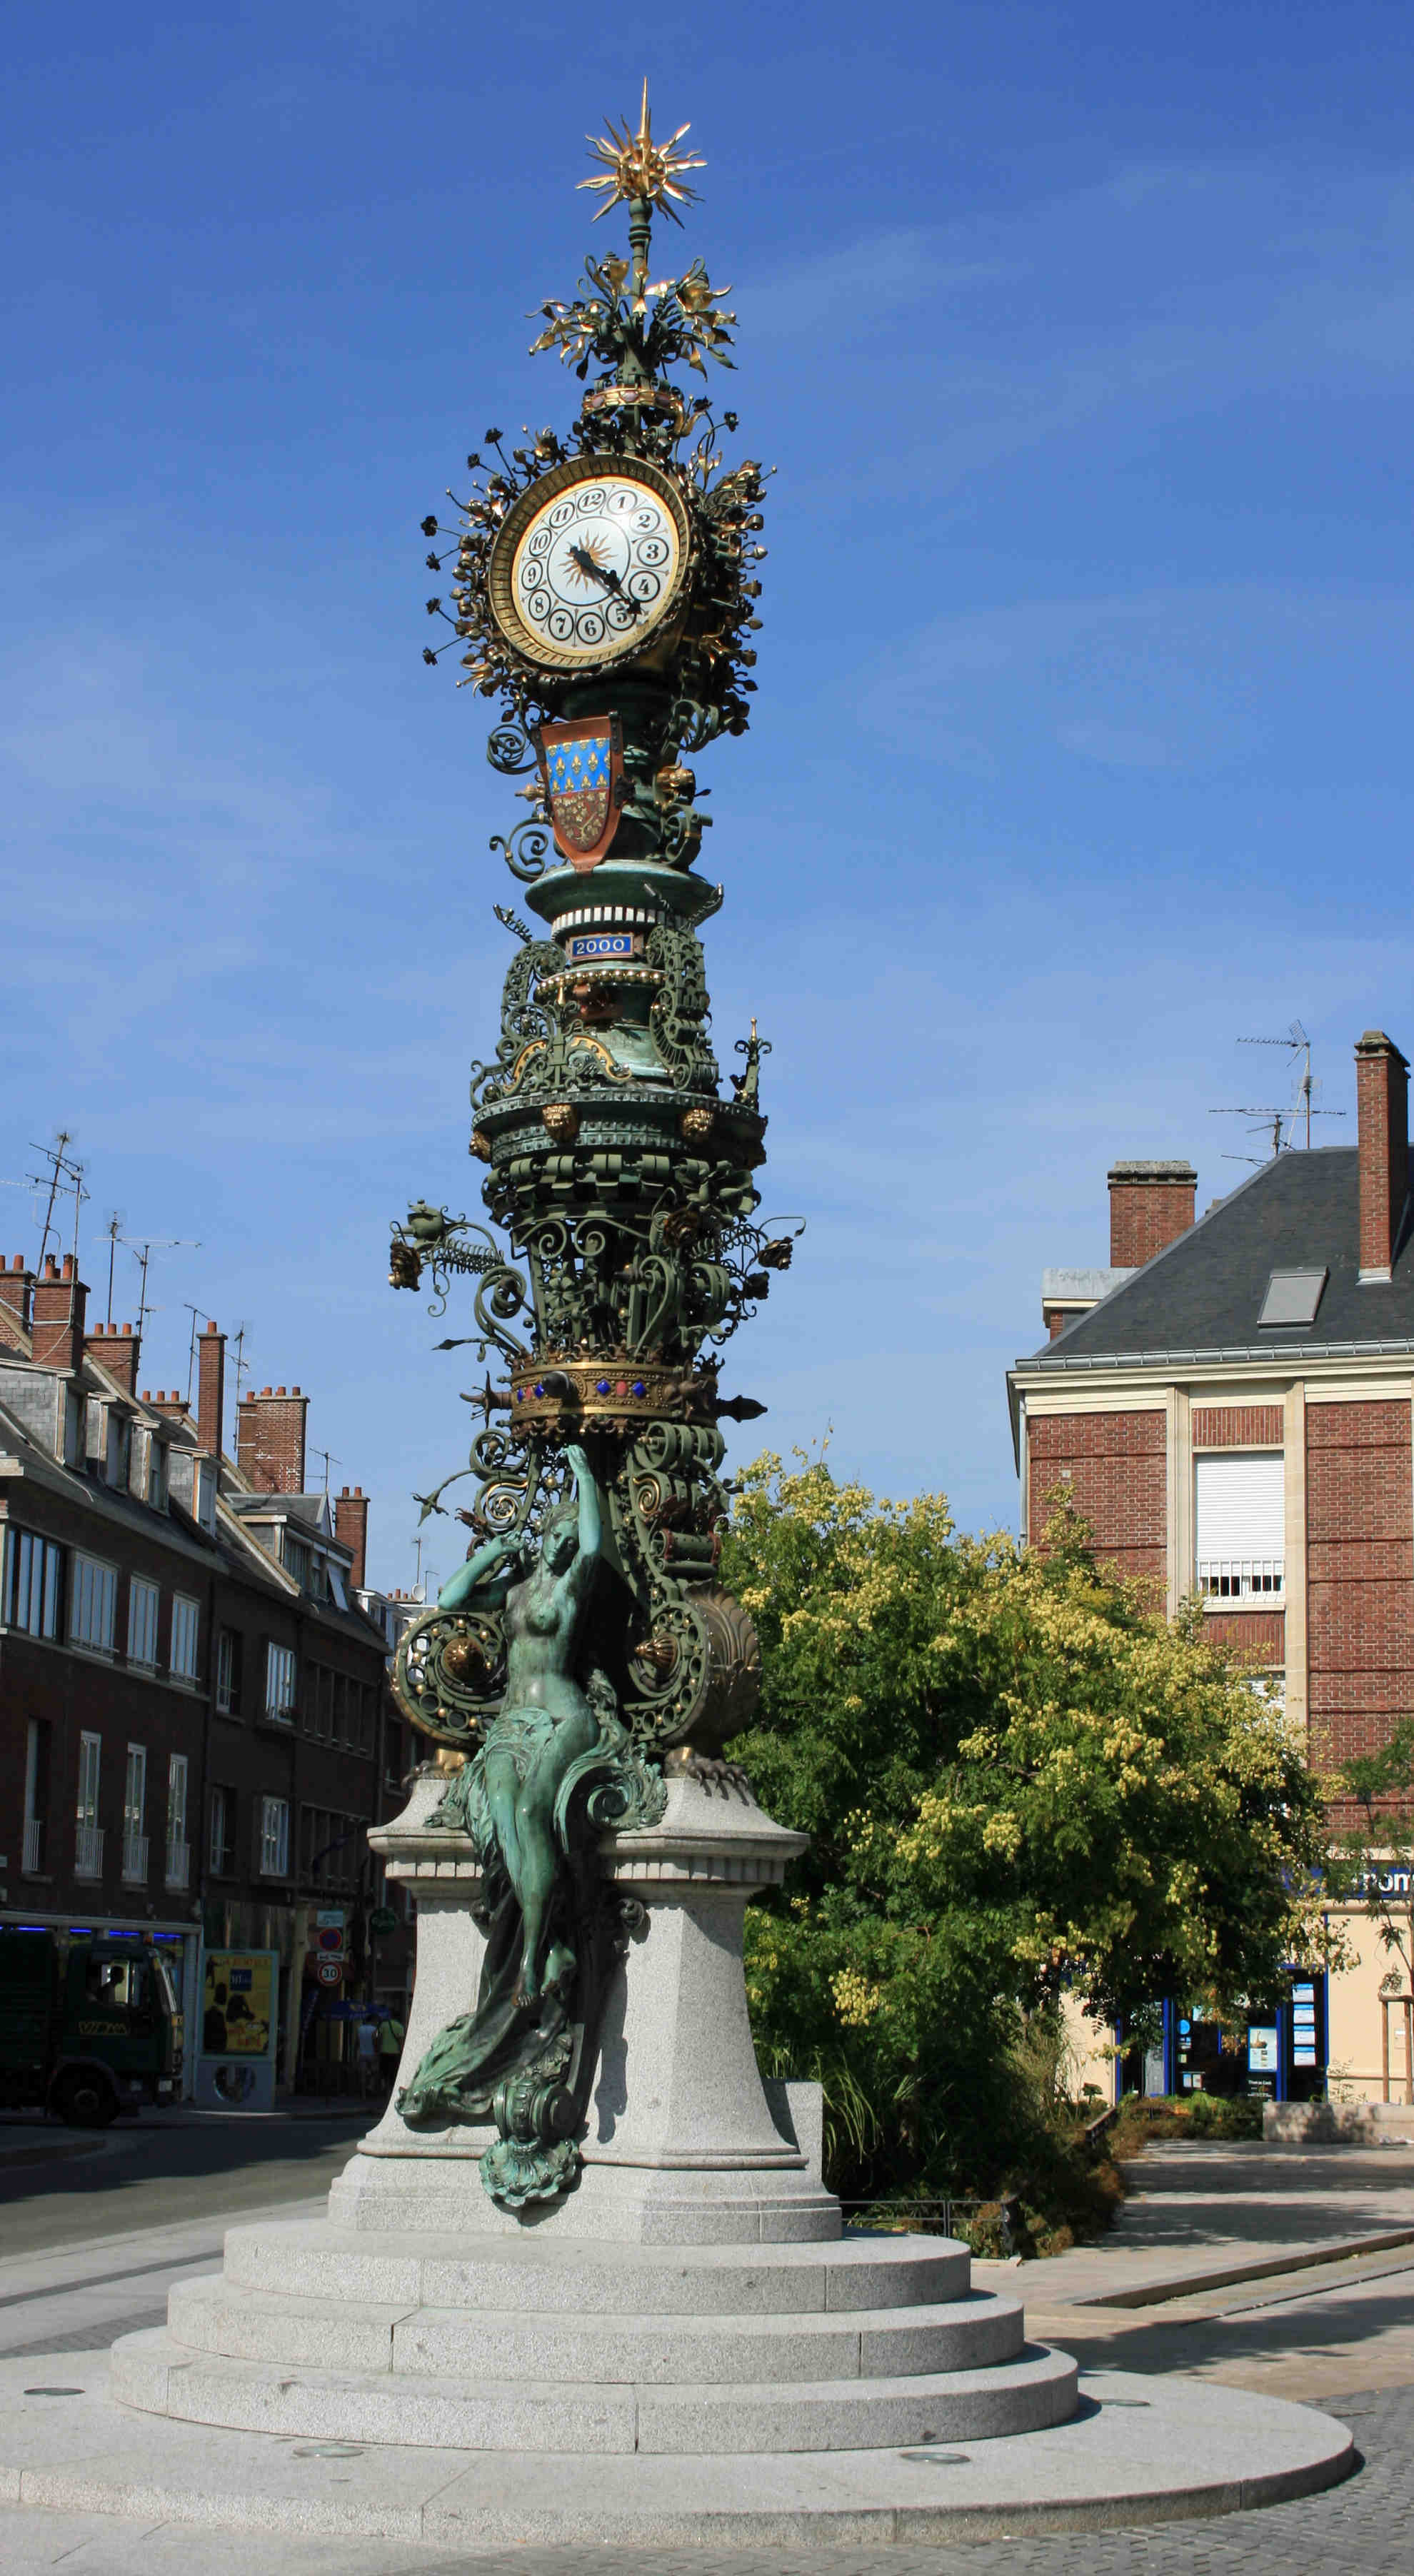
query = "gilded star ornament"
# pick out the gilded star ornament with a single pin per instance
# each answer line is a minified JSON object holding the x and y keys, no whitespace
{"x":636,"y":166}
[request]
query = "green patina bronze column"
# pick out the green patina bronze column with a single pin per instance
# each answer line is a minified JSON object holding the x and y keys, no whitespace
{"x":605,"y":592}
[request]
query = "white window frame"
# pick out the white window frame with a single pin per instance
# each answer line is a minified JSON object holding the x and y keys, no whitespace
{"x":219,"y":1838}
{"x":186,"y":1635}
{"x":88,"y":1833}
{"x":281,"y":1683}
{"x":93,"y":1604}
{"x":35,"y":1571}
{"x":134,"y":1807}
{"x":144,"y":1604}
{"x":178,"y":1869}
{"x":273,"y":1856}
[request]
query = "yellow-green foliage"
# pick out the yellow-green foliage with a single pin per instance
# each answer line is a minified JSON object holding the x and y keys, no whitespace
{"x":1018,"y":1784}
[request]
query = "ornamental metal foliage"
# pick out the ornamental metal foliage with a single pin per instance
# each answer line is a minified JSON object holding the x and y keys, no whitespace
{"x":626,"y":1244}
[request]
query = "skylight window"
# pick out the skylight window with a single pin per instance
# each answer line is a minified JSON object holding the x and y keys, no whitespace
{"x":1293,"y":1296}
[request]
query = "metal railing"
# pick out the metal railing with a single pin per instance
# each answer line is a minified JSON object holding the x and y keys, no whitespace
{"x":1241,"y":1578}
{"x":88,"y":1851}
{"x":178,"y":1864}
{"x":34,"y":1846}
{"x":134,"y":1859}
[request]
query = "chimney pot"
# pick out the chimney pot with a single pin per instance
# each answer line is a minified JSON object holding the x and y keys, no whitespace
{"x":18,"y":1262}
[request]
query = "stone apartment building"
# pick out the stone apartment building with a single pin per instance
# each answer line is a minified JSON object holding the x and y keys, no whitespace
{"x":1231,"y":1403}
{"x":193,"y":1729}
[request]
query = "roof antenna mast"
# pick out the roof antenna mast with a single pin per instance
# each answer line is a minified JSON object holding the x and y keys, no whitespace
{"x":1298,"y":1045}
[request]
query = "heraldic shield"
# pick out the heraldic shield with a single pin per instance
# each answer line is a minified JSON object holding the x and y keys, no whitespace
{"x":582,"y":766}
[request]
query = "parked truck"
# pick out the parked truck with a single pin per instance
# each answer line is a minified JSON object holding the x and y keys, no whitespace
{"x":90,"y":2025}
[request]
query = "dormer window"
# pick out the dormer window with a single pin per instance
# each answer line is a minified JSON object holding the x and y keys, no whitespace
{"x":296,"y":1559}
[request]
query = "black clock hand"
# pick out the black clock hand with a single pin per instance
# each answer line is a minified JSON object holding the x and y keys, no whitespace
{"x":584,"y":562}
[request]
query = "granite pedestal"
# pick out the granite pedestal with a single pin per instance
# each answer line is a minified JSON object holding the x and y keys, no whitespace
{"x":665,"y":2348}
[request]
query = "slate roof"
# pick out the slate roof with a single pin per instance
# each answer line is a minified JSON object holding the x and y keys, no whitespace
{"x":1201,"y":1298}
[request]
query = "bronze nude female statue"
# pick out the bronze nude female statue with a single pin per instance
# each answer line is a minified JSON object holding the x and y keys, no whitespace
{"x":555,"y":1767}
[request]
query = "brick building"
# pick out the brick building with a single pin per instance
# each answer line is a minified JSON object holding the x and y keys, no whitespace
{"x":192,"y":1700}
{"x":1231,"y":1403}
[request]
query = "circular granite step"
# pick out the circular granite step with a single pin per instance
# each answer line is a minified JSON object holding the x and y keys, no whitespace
{"x":540,"y":2273}
{"x":216,"y":2317}
{"x":158,"y":2375}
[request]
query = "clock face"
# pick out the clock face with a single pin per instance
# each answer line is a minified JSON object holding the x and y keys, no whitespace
{"x":594,"y":566}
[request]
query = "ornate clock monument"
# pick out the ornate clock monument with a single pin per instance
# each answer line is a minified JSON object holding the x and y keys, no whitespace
{"x":605,"y":593}
{"x":584,"y":2280}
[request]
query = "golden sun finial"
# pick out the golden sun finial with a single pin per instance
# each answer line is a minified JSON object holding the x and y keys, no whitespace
{"x":636,"y":166}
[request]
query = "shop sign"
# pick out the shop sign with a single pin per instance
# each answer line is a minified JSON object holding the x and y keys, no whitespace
{"x":382,"y":1921}
{"x":1262,"y":2050}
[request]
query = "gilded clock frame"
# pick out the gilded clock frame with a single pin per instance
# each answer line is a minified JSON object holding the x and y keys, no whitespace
{"x":534,"y":649}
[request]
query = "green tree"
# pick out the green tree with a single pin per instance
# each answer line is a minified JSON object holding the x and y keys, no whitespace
{"x":1019,"y":1784}
{"x":1373,"y":1860}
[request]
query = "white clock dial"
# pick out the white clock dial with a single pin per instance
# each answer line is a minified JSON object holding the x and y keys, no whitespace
{"x":595,"y":568}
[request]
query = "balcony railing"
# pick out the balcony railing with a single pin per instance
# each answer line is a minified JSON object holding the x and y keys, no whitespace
{"x":178,"y":1864}
{"x":88,"y":1851}
{"x":134,"y":1859}
{"x":34,"y":1846}
{"x":1241,"y":1578}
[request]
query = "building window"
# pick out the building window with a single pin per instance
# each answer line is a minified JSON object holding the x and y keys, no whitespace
{"x":93,"y":1604}
{"x":36,"y":1568}
{"x":156,"y":1473}
{"x":221,"y":1838}
{"x":296,"y":1556}
{"x":331,"y":1847}
{"x":143,"y":1599}
{"x":1239,"y":1512}
{"x":88,"y":1833}
{"x":186,"y":1618}
{"x":178,"y":1871}
{"x":274,"y":1851}
{"x":134,"y":1800}
{"x":280,"y":1682}
{"x":206,"y":1493}
{"x":36,"y":1796}
{"x":228,"y":1672}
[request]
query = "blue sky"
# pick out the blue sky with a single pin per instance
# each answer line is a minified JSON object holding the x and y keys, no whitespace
{"x":1083,"y":341}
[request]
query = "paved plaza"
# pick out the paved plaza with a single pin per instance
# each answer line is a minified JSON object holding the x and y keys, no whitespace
{"x":1338,"y":2334}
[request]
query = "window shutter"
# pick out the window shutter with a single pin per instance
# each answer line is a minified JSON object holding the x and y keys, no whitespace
{"x":1240,"y":1523}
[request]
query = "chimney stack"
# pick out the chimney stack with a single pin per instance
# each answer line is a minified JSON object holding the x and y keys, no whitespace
{"x":351,"y":1528}
{"x":211,"y":1388}
{"x":1382,"y":1092}
{"x":115,"y":1349}
{"x":16,"y":1284}
{"x":270,"y":1439}
{"x":57,"y":1311}
{"x":1151,"y":1205}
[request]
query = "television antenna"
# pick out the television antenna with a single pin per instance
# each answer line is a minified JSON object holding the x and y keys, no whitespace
{"x":1307,"y":1087}
{"x":331,"y":1458}
{"x":142,"y":1253}
{"x":65,"y":1173}
{"x":1263,"y":1119}
{"x":238,"y":1345}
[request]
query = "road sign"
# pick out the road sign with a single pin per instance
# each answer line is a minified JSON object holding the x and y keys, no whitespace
{"x":331,"y":1940}
{"x":330,"y":1918}
{"x":330,"y":1972}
